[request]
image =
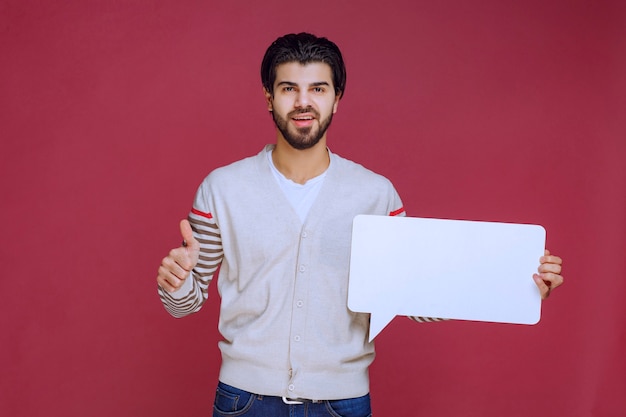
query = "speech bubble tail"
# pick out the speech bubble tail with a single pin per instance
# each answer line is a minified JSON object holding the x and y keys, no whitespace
{"x":378,"y":321}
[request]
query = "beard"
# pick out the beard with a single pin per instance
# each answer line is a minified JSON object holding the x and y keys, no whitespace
{"x":302,"y":137}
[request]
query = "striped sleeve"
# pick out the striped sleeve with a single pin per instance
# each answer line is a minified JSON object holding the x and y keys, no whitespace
{"x":425,"y":319}
{"x":189,"y":298}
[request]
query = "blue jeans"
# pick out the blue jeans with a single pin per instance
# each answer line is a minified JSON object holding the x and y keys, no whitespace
{"x":231,"y":402}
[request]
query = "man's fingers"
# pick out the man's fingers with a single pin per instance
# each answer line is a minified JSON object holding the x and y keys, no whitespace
{"x":187,"y":234}
{"x":549,"y":273}
{"x":551,"y":259}
{"x":176,"y":266}
{"x":544,"y":288}
{"x":552,"y":280}
{"x":549,"y":267}
{"x":178,"y":262}
{"x":174,"y":270}
{"x":168,"y":283}
{"x":547,"y":281}
{"x":168,"y":280}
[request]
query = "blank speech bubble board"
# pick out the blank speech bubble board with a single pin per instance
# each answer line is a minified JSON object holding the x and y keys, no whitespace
{"x":455,"y":269}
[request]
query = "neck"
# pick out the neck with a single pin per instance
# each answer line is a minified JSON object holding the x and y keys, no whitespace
{"x":300,"y":165}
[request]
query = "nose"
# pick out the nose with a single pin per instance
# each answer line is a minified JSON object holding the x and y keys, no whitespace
{"x":302,"y":99}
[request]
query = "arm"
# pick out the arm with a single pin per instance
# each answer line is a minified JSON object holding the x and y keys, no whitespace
{"x":184,"y":275}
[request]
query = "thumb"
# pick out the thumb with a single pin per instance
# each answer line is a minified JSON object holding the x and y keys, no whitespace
{"x":187,"y":234}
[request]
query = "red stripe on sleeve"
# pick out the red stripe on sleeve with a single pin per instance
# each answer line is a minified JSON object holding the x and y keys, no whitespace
{"x":201,"y":213}
{"x":396,"y":212}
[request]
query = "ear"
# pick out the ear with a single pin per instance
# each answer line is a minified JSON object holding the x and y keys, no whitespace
{"x":336,"y":104}
{"x":268,"y":99}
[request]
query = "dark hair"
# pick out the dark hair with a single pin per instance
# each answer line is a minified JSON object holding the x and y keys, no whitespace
{"x":303,"y":48}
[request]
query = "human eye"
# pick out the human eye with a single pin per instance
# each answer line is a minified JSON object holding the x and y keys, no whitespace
{"x":319,"y":90}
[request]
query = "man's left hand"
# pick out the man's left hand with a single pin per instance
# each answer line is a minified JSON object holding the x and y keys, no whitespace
{"x":549,"y":276}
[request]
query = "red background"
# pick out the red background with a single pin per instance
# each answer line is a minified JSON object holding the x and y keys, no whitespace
{"x":112,"y":112}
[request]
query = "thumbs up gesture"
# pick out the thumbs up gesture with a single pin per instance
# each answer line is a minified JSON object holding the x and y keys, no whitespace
{"x":177,"y":265}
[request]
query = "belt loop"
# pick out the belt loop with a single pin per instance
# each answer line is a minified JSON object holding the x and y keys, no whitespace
{"x":291,"y":402}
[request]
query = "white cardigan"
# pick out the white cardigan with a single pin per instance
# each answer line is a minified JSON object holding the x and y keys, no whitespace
{"x":284,"y":317}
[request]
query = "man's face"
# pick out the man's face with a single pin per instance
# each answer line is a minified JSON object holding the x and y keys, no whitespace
{"x":303,"y":102}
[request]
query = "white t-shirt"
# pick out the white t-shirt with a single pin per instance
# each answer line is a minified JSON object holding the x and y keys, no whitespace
{"x":301,"y":196}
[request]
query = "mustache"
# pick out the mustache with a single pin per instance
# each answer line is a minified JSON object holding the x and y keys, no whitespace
{"x":310,"y":110}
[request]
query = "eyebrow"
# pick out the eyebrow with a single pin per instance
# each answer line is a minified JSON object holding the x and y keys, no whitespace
{"x":292,"y":84}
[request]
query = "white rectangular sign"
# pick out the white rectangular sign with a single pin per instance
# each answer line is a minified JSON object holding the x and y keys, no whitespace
{"x":453,"y":269}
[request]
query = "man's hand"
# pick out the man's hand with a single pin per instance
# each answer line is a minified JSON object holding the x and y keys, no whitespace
{"x":549,"y":276}
{"x":176,"y":266}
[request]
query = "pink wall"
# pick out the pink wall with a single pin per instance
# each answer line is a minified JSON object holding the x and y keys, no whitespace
{"x":111,"y":113}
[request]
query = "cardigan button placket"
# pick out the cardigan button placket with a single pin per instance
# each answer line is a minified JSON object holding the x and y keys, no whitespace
{"x":298,"y":349}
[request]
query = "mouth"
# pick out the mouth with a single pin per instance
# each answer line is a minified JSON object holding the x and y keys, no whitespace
{"x":303,"y":120}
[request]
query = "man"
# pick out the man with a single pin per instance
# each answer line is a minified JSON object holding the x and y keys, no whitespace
{"x":279,"y":224}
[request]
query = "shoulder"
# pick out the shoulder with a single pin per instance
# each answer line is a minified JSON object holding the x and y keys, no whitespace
{"x":354,"y":172}
{"x":236,"y":171}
